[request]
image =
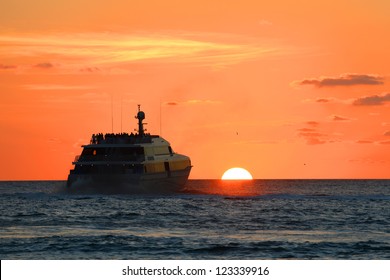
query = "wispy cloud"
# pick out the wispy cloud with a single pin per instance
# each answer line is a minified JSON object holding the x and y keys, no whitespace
{"x":313,"y":138}
{"x":55,"y":87}
{"x":339,"y":118}
{"x":381,"y":140}
{"x":372,"y":100}
{"x":6,"y":67}
{"x":306,"y":129}
{"x":364,"y":142}
{"x":171,"y":103}
{"x":311,"y":135}
{"x":44,"y":65}
{"x":342,"y":80}
{"x":314,"y":141}
{"x":312,"y":123}
{"x":328,"y":100}
{"x":192,"y":102}
{"x":90,"y":69}
{"x":323,"y":100}
{"x":106,"y":48}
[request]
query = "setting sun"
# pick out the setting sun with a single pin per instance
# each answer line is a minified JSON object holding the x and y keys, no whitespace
{"x":237,"y":173}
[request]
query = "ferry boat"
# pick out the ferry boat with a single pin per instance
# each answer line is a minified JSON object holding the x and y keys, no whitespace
{"x":129,"y":163}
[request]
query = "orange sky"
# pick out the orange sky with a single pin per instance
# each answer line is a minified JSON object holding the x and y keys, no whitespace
{"x":285,"y":89}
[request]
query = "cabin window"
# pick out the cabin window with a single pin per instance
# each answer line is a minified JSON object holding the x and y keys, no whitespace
{"x":112,"y":153}
{"x":126,"y":151}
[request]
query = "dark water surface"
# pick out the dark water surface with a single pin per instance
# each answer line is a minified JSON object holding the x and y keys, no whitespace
{"x":260,"y":219}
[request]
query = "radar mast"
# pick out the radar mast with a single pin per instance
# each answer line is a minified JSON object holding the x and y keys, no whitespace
{"x":140,"y":116}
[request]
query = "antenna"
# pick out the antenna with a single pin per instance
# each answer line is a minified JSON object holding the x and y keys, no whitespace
{"x":112,"y":113}
{"x":160,"y":119}
{"x":121,"y":112}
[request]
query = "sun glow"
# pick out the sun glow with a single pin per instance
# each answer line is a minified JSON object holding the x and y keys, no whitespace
{"x":237,"y":173}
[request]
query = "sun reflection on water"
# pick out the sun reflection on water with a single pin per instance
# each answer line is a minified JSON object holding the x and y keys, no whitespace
{"x":234,"y":188}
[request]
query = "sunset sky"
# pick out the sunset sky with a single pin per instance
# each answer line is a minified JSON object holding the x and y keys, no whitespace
{"x":284,"y":89}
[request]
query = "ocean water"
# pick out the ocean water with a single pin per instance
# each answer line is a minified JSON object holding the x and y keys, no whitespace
{"x":211,"y":219}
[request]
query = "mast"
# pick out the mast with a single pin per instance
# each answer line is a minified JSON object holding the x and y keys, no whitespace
{"x":112,"y":113}
{"x":140,"y":116}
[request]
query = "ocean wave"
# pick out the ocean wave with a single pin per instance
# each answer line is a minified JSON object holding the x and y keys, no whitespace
{"x":294,"y":219}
